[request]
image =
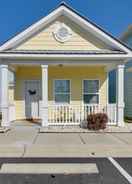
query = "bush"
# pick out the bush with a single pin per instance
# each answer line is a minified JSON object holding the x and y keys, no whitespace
{"x":97,"y":121}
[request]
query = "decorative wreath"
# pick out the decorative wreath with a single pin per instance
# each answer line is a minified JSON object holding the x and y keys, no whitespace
{"x":32,"y":92}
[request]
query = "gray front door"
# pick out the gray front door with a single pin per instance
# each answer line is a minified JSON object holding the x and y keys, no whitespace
{"x":32,"y":98}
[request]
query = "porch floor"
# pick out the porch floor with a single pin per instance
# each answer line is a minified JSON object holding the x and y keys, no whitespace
{"x":25,"y":123}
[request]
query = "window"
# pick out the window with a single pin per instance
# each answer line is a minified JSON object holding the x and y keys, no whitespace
{"x":91,"y":91}
{"x":62,"y":91}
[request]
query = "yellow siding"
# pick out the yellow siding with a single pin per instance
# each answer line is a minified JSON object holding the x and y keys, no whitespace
{"x":46,"y":41}
{"x":75,"y":74}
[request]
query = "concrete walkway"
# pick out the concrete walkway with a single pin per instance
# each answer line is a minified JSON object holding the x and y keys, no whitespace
{"x":26,"y":141}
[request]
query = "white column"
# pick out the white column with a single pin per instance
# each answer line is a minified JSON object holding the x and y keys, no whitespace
{"x":44,"y":95}
{"x":120,"y":94}
{"x":4,"y":95}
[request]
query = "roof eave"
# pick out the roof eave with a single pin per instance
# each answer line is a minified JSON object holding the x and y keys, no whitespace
{"x":67,"y":56}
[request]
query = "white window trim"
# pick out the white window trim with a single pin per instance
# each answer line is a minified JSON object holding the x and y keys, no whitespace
{"x":90,"y":93}
{"x":59,"y":103}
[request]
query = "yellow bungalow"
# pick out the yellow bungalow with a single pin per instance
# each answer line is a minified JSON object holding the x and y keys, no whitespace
{"x":59,"y":67}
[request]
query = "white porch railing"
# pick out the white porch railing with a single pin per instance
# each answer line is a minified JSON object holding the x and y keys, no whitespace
{"x":11,"y":113}
{"x":75,"y":114}
{"x":112,"y":114}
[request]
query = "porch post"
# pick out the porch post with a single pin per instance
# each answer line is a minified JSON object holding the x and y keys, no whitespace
{"x":44,"y":95}
{"x":120,"y":94}
{"x":4,"y":95}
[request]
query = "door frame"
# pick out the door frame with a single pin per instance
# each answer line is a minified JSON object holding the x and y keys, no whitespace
{"x":24,"y":92}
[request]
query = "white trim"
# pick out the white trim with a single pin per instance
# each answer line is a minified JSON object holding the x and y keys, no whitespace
{"x":4,"y":96}
{"x":68,"y":56}
{"x":67,"y":61}
{"x":120,"y":94}
{"x":44,"y":107}
{"x":90,"y":93}
{"x":67,"y":93}
{"x":120,"y":169}
{"x":63,"y":10}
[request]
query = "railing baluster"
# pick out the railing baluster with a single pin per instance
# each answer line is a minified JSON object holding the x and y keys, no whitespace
{"x":70,"y":114}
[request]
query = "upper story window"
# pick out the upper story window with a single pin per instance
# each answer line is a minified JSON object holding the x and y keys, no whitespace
{"x":91,"y":91}
{"x":62,"y":91}
{"x":62,"y":33}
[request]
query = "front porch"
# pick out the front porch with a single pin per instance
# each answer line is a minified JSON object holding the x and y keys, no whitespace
{"x":37,"y":100}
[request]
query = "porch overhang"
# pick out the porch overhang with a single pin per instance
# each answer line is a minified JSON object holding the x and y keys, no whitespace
{"x":99,"y":58}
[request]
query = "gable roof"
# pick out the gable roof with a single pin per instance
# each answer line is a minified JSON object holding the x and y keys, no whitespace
{"x":64,"y":9}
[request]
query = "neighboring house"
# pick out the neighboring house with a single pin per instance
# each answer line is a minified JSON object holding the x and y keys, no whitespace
{"x":127,"y":38}
{"x":60,"y":69}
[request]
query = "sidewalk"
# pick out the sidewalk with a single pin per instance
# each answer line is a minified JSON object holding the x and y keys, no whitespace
{"x":24,"y":141}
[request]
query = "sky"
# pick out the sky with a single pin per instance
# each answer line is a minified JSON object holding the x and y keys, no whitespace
{"x":113,"y":16}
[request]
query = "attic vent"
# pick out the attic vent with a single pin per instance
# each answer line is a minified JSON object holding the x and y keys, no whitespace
{"x":62,"y":33}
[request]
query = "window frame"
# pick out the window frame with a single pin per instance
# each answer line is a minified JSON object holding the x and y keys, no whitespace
{"x":54,"y":93}
{"x":90,"y":93}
